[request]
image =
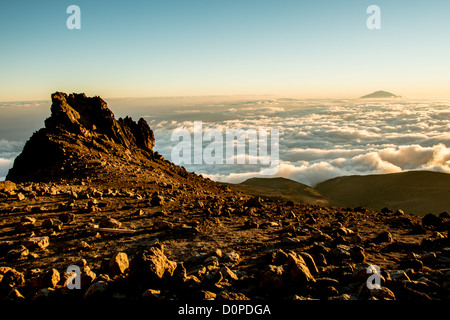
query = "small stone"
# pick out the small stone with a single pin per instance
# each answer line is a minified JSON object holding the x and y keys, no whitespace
{"x":52,"y":223}
{"x":255,"y":202}
{"x":83,"y":245}
{"x":87,"y":276}
{"x":206,"y":295}
{"x":232,"y":257}
{"x":28,"y":219}
{"x":14,"y":295}
{"x":418,"y":229}
{"x":414,"y":264}
{"x":217,"y":252}
{"x":151,"y":294}
{"x":18,"y":253}
{"x":309,"y":260}
{"x":44,"y":294}
{"x":7,"y":186}
{"x":36,"y":242}
{"x":358,"y":254}
{"x":51,"y":278}
{"x":430,"y":220}
{"x":297,"y":269}
{"x":383,"y":294}
{"x":157,"y":200}
{"x":12,"y":278}
{"x":24,"y":226}
{"x":397,"y":275}
{"x":272,"y":278}
{"x":232,"y":296}
{"x":163,"y":225}
{"x":119,"y":263}
{"x":66,"y":217}
{"x":20,"y":196}
{"x":97,"y":290}
{"x":109,"y":222}
{"x":197,"y":271}
{"x":5,"y":246}
{"x":228,"y":274}
{"x":384,"y":236}
{"x":444,"y":214}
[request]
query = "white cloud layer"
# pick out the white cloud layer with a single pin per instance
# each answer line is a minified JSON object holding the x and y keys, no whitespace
{"x":320,"y":140}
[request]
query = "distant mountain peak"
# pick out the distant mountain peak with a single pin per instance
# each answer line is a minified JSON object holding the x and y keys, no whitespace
{"x":380,"y":94}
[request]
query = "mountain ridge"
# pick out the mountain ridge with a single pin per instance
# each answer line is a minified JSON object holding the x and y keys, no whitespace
{"x":416,"y":192}
{"x":380,"y":94}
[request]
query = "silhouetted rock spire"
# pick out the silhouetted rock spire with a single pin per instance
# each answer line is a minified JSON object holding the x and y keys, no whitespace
{"x":80,"y":128}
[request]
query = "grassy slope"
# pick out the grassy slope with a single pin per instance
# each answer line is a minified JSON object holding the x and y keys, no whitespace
{"x":281,"y":189}
{"x":416,"y":192}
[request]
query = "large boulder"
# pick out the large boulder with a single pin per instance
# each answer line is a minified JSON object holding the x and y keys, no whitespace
{"x":118,"y":263}
{"x":151,"y":264}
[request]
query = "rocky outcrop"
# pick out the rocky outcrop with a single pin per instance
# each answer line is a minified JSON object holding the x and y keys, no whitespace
{"x":80,"y":129}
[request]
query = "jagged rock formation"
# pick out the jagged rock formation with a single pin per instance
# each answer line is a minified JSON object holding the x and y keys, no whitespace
{"x":79,"y":129}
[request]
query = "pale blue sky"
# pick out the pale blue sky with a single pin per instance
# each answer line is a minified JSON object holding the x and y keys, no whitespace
{"x":210,"y":47}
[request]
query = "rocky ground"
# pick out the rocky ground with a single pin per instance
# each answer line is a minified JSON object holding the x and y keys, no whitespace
{"x":141,"y":228}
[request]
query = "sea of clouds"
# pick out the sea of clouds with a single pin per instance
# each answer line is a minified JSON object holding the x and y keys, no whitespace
{"x":323,"y":139}
{"x":318,"y":139}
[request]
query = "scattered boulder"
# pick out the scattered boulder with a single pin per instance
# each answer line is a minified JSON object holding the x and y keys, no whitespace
{"x":18,"y":253}
{"x":109,"y":222}
{"x":54,"y":224}
{"x":20,"y":196}
{"x":118,"y":263}
{"x":272,"y":278}
{"x":157,"y":200}
{"x":36,"y":242}
{"x":151,"y":294}
{"x":232,"y":296}
{"x":232,"y":257}
{"x":384,"y":236}
{"x":87,"y":276}
{"x":297,"y":269}
{"x":151,"y":264}
{"x":51,"y":278}
{"x":66,"y":217}
{"x":6,"y":186}
{"x":44,"y":294}
{"x":383,"y":293}
{"x":97,"y":291}
{"x":430,"y":220}
{"x":255,"y":202}
{"x":228,"y":274}
{"x":309,"y":260}
{"x":14,"y":295}
{"x":11,"y":278}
